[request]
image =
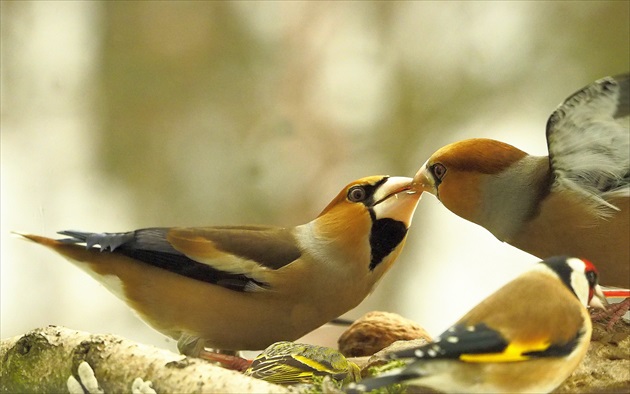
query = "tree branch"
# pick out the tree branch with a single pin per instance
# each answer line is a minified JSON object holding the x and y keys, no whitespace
{"x":43,"y":359}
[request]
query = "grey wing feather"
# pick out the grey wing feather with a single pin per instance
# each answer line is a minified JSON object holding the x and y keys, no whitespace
{"x":588,"y":137}
{"x":106,"y":241}
{"x":151,"y":246}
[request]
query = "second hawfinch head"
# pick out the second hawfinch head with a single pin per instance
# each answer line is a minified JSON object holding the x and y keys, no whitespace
{"x":501,"y":187}
{"x":474,"y":179}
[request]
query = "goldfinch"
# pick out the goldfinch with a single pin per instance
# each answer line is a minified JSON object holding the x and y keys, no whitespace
{"x":246,"y":287}
{"x":528,"y":336}
{"x":294,"y":363}
{"x":574,"y":202}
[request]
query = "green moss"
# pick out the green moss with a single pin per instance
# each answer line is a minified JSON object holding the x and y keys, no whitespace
{"x":397,"y":388}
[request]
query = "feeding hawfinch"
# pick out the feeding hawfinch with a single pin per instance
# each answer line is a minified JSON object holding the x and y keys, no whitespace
{"x":574,"y":202}
{"x":246,"y":287}
{"x":528,"y":336}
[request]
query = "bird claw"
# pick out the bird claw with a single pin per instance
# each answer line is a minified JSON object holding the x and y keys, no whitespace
{"x":229,"y":361}
{"x":612,"y":314}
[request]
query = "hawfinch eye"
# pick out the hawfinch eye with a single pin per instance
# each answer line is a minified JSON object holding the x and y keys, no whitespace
{"x":438,"y":170}
{"x":357,"y":194}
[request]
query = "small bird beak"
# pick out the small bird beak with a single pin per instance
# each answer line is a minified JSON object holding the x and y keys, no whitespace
{"x":599,"y":300}
{"x":423,"y":181}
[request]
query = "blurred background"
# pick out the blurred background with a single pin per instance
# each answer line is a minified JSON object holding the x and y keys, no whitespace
{"x":122,"y":115}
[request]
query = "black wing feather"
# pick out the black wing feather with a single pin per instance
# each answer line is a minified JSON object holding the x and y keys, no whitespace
{"x":150,"y":246}
{"x":457,"y":340}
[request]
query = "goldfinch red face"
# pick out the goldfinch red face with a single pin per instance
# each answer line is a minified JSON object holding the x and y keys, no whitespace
{"x":456,"y":173}
{"x":585,"y":283}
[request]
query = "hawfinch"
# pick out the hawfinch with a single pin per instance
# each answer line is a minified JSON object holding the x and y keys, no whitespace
{"x":294,"y":363}
{"x":246,"y":287}
{"x":528,"y":336}
{"x":574,"y":202}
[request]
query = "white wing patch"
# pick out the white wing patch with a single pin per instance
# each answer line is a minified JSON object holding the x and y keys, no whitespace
{"x":235,"y":265}
{"x":589,"y":145}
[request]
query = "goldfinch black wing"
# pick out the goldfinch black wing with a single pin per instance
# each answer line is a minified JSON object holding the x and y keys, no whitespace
{"x":480,"y":343}
{"x":466,"y":344}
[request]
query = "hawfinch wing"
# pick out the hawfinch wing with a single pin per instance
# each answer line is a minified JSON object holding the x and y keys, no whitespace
{"x":232,"y":257}
{"x":588,"y":138}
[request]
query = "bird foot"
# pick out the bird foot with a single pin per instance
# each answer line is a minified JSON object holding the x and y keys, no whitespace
{"x":228,"y":361}
{"x":612,"y":314}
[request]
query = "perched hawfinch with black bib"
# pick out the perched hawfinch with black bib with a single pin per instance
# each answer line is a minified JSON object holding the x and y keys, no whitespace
{"x":246,"y":287}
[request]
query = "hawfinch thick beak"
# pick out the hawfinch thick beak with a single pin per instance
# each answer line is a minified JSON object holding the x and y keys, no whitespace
{"x":599,"y":299}
{"x":397,"y":200}
{"x":423,"y":181}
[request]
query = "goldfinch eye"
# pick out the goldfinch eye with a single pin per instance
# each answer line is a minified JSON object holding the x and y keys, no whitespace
{"x":438,"y":170}
{"x":591,"y":277}
{"x":357,"y":194}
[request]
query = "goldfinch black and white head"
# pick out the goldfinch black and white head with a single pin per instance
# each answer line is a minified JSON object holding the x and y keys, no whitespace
{"x":528,"y":336}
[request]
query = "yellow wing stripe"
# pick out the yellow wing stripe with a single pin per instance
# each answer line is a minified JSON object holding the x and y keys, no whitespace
{"x":313,"y":364}
{"x":514,"y":352}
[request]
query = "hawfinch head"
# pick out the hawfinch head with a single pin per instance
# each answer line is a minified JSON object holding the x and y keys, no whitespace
{"x":475,"y":179}
{"x":376,"y":212}
{"x":458,"y":169}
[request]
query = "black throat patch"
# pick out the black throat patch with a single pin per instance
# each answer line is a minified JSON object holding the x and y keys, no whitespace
{"x":385,"y":236}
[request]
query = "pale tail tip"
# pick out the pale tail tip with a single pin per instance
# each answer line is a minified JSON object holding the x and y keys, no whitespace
{"x":30,"y":237}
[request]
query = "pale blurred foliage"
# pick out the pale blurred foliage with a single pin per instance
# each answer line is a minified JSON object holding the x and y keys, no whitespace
{"x":121,"y":115}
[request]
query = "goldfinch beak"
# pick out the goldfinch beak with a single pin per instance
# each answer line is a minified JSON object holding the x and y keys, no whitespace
{"x":423,"y":181}
{"x":396,"y":199}
{"x":599,"y":300}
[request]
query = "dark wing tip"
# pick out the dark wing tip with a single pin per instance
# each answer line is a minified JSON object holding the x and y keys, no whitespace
{"x":587,"y":139}
{"x":623,"y":105}
{"x":607,"y":86}
{"x":457,"y":340}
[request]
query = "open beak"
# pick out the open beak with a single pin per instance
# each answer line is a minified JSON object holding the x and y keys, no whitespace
{"x":599,"y":299}
{"x":395,"y":186}
{"x":396,"y":199}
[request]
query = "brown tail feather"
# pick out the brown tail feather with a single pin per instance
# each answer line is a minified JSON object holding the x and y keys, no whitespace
{"x":52,"y":243}
{"x":76,"y":253}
